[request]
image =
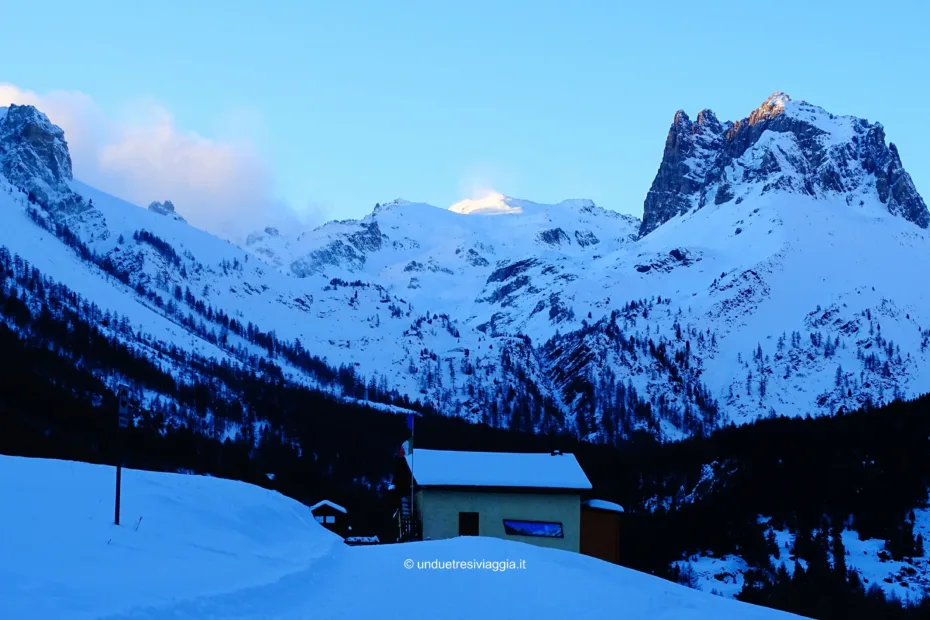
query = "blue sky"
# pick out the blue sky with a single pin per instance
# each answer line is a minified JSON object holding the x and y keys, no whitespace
{"x":342,"y":104}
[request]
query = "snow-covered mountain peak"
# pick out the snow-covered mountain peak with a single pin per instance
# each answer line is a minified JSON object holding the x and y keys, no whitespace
{"x":493,"y":203}
{"x":774,"y":105}
{"x":783,"y":146}
{"x":496,"y":203}
{"x":778,"y":98}
{"x":392,"y":204}
{"x":805,"y":115}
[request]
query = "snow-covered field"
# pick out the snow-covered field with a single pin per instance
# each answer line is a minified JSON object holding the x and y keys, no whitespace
{"x":199,"y":547}
{"x":722,"y":576}
{"x":181,"y":537}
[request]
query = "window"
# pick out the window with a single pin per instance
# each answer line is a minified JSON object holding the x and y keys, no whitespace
{"x":513,"y":527}
{"x":330,"y":519}
{"x":319,"y":518}
{"x":468,"y":524}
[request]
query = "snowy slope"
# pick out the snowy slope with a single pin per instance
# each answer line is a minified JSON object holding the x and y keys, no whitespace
{"x":441,"y":260}
{"x":198,"y":536}
{"x":210,"y":548}
{"x":45,"y":252}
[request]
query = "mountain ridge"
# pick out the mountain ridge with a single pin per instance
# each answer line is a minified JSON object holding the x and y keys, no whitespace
{"x":833,"y":154}
{"x":561,"y":316}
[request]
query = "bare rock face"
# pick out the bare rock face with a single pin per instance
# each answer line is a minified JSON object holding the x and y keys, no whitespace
{"x":783,"y":145}
{"x":349,"y":252}
{"x":34,"y":156}
{"x":167,"y":209}
{"x":894,"y":185}
{"x":690,"y":150}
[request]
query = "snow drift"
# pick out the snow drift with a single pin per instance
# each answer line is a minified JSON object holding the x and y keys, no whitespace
{"x":194,"y":547}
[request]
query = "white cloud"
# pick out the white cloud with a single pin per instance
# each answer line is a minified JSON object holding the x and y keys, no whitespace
{"x":480,"y":180}
{"x":223,"y":186}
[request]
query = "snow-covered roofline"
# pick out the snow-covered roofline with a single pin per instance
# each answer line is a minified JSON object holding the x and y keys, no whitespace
{"x":432,"y":468}
{"x":602,"y":504}
{"x":326,"y":502}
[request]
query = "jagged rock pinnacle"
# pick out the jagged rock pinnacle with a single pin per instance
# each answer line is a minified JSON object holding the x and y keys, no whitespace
{"x":703,"y":161}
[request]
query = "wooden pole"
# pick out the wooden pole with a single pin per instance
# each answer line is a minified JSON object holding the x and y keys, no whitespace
{"x":412,"y":448}
{"x":122,"y":421}
{"x":119,"y":475}
{"x":411,"y":523}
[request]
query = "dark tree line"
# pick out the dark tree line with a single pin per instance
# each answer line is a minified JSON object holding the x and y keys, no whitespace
{"x":827,"y":589}
{"x":866,"y":470}
{"x":161,"y":246}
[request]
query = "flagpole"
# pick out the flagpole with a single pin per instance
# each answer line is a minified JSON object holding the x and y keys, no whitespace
{"x":412,"y":418}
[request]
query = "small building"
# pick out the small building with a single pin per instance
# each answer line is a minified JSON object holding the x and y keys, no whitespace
{"x":332,"y":516}
{"x":528,"y":497}
{"x":600,"y":529}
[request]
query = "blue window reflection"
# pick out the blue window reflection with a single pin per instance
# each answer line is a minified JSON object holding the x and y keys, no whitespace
{"x":532,"y":528}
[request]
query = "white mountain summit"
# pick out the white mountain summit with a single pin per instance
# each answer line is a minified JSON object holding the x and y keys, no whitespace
{"x":495,"y":203}
{"x":491,"y":204}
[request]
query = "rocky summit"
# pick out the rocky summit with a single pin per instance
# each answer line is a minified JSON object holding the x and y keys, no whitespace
{"x":167,"y":209}
{"x":34,"y":156}
{"x":783,"y":145}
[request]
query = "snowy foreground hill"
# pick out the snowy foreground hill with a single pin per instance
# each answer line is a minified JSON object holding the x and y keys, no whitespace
{"x":198,"y":547}
{"x":773,"y":272}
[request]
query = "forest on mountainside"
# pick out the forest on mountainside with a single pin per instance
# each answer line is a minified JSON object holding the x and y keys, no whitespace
{"x":866,"y":471}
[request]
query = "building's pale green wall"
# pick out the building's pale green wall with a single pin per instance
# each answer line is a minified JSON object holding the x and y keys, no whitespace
{"x":439,"y":513}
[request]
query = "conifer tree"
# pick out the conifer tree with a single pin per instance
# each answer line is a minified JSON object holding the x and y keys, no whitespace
{"x":839,"y":555}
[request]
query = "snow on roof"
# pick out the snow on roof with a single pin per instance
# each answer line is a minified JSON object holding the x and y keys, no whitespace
{"x":602,"y":504}
{"x":497,"y":469}
{"x":326,"y":502}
